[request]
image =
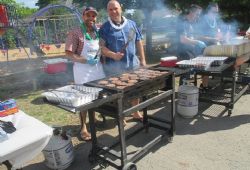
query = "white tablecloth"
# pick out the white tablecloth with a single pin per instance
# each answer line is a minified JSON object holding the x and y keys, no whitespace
{"x":26,"y":142}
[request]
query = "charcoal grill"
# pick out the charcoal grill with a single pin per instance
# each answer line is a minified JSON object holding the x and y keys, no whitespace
{"x":164,"y":83}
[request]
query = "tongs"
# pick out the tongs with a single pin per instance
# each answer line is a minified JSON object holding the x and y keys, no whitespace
{"x":131,"y":35}
{"x":98,"y":53}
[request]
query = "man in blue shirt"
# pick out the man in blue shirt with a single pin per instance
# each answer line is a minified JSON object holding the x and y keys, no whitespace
{"x":210,"y":31}
{"x":189,"y":46}
{"x":120,"y":40}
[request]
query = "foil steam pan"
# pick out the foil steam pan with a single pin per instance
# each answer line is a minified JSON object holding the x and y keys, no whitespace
{"x":72,"y":95}
{"x":202,"y":62}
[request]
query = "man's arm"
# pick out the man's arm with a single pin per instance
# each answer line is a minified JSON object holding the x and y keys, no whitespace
{"x":210,"y":39}
{"x":71,"y":48}
{"x":185,"y":40}
{"x":75,"y":57}
{"x":108,"y":53}
{"x":140,"y":49}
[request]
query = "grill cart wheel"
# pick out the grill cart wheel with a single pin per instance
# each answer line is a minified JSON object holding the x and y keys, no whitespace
{"x":129,"y":166}
{"x":103,"y":164}
{"x":170,"y":139}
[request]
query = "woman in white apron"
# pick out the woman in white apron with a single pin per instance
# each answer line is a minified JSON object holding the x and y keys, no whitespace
{"x":86,"y":66}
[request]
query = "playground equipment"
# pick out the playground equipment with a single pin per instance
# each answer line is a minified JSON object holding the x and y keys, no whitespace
{"x":47,"y":30}
{"x":3,"y":19}
{"x":9,"y":20}
{"x":50,"y":25}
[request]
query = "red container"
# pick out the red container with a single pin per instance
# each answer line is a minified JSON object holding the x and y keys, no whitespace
{"x":53,"y":66}
{"x":168,"y":61}
{"x":3,"y":16}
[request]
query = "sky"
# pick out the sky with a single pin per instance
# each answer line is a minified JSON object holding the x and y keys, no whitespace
{"x":28,"y":3}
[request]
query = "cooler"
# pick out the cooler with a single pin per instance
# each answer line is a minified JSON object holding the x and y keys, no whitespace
{"x":168,"y":61}
{"x":53,"y":66}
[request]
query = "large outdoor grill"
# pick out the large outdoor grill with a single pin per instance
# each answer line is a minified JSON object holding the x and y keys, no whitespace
{"x":150,"y":86}
{"x":231,"y":88}
{"x":133,"y":84}
{"x":142,"y":84}
{"x":223,"y":61}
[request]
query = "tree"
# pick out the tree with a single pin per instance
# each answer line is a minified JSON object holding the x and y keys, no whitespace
{"x":44,"y":3}
{"x":19,"y":7}
{"x":147,"y":9}
{"x":16,"y":11}
{"x":230,"y":10}
{"x":236,"y":10}
{"x":102,"y":16}
{"x":94,"y":3}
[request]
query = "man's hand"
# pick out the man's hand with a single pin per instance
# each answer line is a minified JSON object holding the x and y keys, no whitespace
{"x":118,"y":56}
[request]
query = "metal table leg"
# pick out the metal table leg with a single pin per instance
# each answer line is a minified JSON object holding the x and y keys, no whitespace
{"x":231,"y":104}
{"x":145,"y":116}
{"x":93,"y":152}
{"x":121,"y":133}
{"x":172,"y":129}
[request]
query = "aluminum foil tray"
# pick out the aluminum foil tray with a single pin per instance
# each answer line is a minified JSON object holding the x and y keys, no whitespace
{"x":202,"y":62}
{"x":201,"y":65}
{"x":72,"y":95}
{"x":215,"y":60}
{"x":235,"y":48}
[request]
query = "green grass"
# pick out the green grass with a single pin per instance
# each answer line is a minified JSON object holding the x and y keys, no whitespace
{"x":32,"y":104}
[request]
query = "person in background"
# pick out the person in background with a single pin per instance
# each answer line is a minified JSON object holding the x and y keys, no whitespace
{"x":82,"y":47}
{"x":120,"y":40}
{"x":188,"y":45}
{"x":209,"y":31}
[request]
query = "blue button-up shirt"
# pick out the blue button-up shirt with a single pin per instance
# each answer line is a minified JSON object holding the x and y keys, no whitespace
{"x":115,"y":40}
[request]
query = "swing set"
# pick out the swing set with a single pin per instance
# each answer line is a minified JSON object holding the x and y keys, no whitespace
{"x":50,"y":26}
{"x":47,"y":30}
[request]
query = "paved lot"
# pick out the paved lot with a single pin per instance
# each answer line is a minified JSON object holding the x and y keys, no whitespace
{"x":211,"y":140}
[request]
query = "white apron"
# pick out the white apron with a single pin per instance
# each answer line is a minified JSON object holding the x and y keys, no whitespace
{"x":85,"y":72}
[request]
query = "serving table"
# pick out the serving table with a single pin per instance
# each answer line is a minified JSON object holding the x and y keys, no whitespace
{"x":21,"y":146}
